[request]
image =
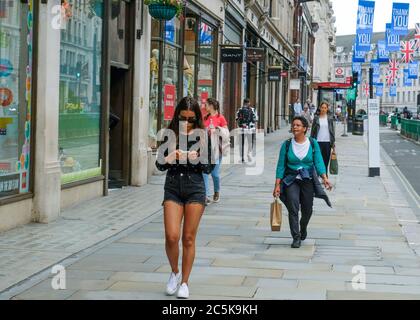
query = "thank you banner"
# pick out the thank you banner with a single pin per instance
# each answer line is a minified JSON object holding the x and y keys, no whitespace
{"x":364,"y":28}
{"x":383,"y":53}
{"x":392,"y":40}
{"x":379,"y":89}
{"x":400,"y":14}
{"x":413,"y":70}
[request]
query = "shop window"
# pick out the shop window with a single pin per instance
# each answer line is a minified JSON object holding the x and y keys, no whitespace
{"x":190,"y":56}
{"x":80,"y":96}
{"x":164,"y":74}
{"x":16,"y":23}
{"x":208,"y":66}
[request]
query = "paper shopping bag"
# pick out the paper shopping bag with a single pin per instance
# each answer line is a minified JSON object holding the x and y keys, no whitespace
{"x":275,"y":215}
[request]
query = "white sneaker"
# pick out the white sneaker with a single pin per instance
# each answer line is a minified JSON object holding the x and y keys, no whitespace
{"x":173,"y":283}
{"x":183,"y":292}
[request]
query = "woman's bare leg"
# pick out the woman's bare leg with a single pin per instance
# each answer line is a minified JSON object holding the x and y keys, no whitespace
{"x":192,"y":217}
{"x":173,"y":214}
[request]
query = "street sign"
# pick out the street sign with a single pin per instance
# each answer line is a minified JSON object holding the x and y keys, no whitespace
{"x":339,"y":73}
{"x":295,"y":84}
{"x":351,"y":94}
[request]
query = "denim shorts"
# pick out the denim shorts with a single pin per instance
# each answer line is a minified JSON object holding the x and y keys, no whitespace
{"x":185,"y":188}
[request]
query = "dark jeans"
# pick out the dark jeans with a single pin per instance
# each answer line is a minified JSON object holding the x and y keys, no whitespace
{"x":299,"y":194}
{"x":326,"y":153}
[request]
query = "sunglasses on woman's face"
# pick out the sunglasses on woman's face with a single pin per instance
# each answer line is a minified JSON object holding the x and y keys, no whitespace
{"x":189,"y":119}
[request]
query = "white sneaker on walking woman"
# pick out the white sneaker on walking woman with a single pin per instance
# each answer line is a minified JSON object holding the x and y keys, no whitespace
{"x":173,"y":283}
{"x":183,"y":292}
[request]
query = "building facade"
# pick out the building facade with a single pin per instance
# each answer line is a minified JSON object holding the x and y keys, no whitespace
{"x":68,"y":67}
{"x":325,"y":42}
{"x":81,"y":109}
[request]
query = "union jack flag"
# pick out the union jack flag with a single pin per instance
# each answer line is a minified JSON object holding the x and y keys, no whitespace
{"x":407,"y":49}
{"x":393,"y":69}
{"x":417,"y":36}
{"x":366,"y":89}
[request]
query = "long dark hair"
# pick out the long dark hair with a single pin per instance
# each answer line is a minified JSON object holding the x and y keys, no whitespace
{"x":216,"y":106}
{"x":186,"y":104}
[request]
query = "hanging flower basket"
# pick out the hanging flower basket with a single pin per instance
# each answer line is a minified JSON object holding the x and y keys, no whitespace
{"x":164,"y":9}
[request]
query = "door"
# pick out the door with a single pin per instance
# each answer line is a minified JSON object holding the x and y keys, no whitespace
{"x":121,"y":36}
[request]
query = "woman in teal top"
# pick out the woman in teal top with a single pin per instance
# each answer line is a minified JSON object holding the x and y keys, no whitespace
{"x":296,"y":179}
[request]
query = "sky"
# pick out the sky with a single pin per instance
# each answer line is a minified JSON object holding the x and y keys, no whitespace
{"x":345,"y":12}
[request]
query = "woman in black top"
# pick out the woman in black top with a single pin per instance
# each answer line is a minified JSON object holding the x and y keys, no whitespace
{"x":186,"y":154}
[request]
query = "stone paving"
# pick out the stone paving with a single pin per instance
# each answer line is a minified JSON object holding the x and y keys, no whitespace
{"x":238,"y":257}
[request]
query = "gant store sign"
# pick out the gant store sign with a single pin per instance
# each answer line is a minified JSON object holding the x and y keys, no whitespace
{"x":232,"y":54}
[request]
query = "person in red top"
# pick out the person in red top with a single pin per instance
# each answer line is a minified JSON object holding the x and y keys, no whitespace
{"x":214,"y":121}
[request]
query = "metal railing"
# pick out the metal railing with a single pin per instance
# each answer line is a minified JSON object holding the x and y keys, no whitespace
{"x":410,"y":129}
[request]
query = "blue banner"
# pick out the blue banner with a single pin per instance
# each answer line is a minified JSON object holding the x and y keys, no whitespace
{"x":364,"y":27}
{"x":365,"y":15}
{"x":383,"y":54}
{"x":407,"y":81}
{"x":358,"y":56}
{"x":379,"y":89}
{"x":400,"y":14}
{"x":392,"y":40}
{"x":413,"y":70}
{"x":376,"y":71}
{"x":357,"y":67}
{"x":393,"y":90}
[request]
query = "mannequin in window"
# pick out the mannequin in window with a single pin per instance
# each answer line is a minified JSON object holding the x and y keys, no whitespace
{"x":188,"y":79}
{"x":154,"y":87}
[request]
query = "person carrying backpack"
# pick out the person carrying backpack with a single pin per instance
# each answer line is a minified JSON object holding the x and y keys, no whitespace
{"x":297,"y":183}
{"x":246,"y":119}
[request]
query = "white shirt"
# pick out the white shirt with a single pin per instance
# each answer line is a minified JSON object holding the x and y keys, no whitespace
{"x":301,"y":149}
{"x":324,"y":132}
{"x":297,"y":108}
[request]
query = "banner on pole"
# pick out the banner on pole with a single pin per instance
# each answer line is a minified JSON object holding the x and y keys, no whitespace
{"x":413,"y":70}
{"x":393,"y":90}
{"x":407,"y":81}
{"x":376,"y":71}
{"x":379,"y":89}
{"x":359,"y":56}
{"x":364,"y":28}
{"x":400,"y":14}
{"x":357,"y":67}
{"x":392,"y":40}
{"x":383,"y":53}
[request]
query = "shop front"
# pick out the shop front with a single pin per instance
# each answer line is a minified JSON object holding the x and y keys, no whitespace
{"x":232,"y":59}
{"x":183,"y":62}
{"x":16,"y":107}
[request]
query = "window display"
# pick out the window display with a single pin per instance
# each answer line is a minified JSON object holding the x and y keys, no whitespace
{"x":80,"y":94}
{"x":16,"y":34}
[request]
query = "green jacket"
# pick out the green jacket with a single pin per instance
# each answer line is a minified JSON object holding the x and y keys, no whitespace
{"x":295,"y":163}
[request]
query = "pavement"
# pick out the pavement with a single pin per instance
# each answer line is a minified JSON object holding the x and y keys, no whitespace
{"x":113,"y":248}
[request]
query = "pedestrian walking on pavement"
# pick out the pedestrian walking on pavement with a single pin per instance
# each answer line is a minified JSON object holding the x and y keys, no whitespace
{"x":297,"y":108}
{"x":246,"y":119}
{"x":300,"y":161}
{"x":323,"y":130}
{"x":185,"y":192}
{"x":216,"y":125}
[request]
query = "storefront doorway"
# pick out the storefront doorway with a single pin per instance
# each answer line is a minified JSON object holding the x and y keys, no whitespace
{"x":121,"y":30}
